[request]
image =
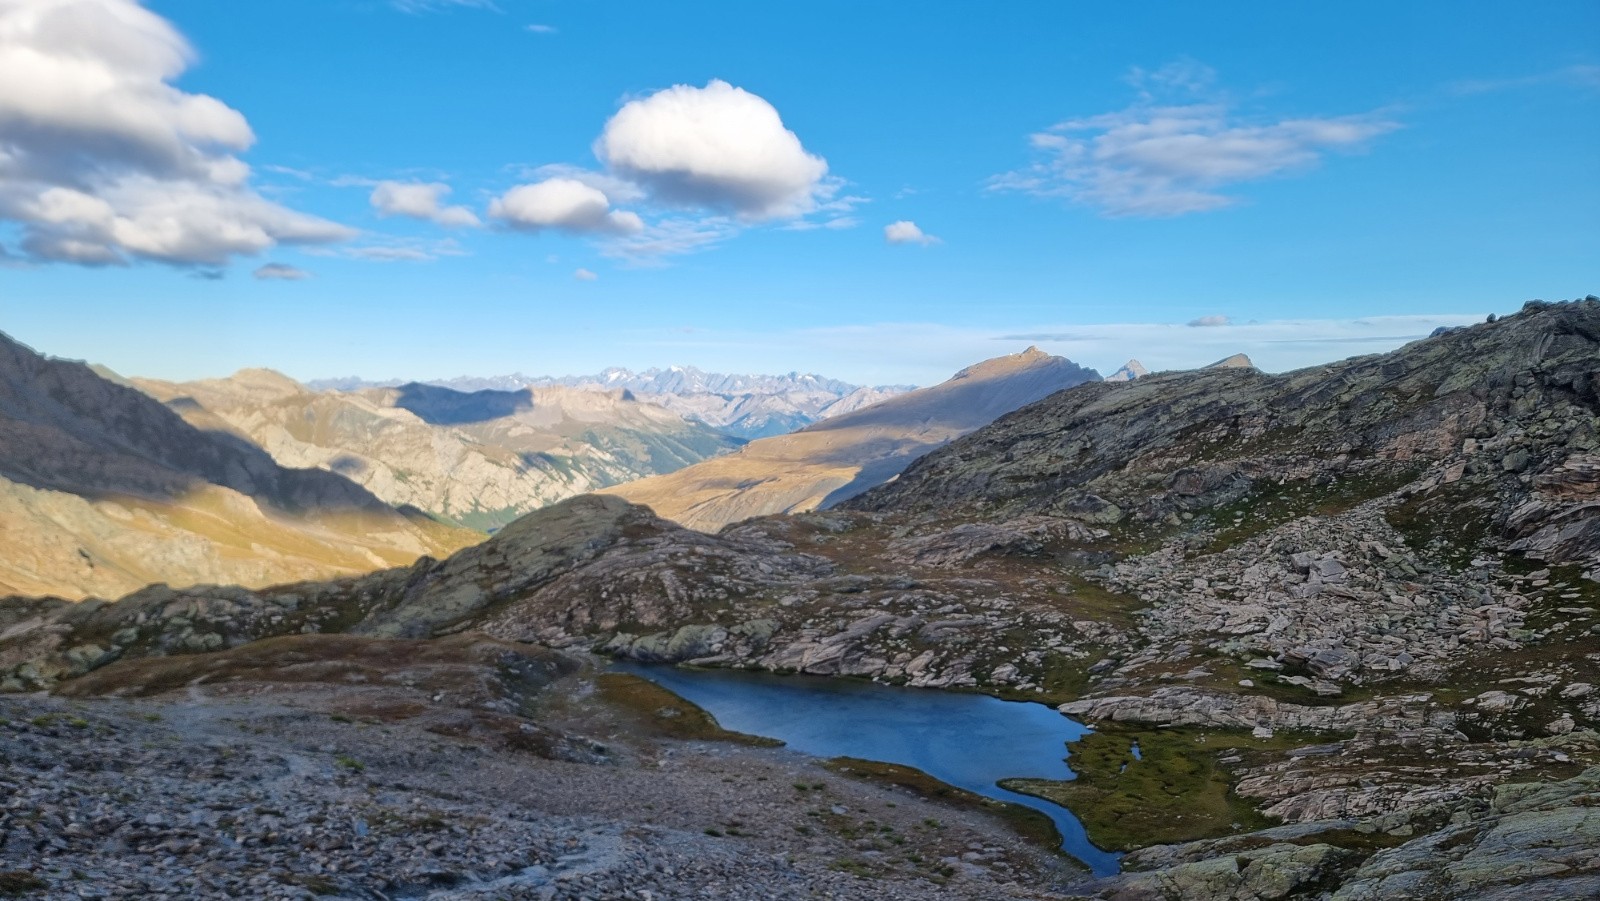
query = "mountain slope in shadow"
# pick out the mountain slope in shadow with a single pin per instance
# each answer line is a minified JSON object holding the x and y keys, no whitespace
{"x":103,"y":489}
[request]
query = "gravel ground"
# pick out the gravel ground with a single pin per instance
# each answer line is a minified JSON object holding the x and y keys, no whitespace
{"x":235,"y":797}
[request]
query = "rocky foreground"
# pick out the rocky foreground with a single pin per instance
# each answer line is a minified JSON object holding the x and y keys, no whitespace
{"x":1339,"y":629}
{"x":378,"y":769}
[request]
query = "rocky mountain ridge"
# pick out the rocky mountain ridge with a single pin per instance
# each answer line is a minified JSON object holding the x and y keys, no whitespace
{"x":824,"y":463}
{"x":744,"y":406}
{"x":102,"y":489}
{"x":480,"y":459}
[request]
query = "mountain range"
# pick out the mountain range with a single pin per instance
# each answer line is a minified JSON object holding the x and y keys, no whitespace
{"x":742,"y":406}
{"x":479,"y":459}
{"x":845,"y":455}
{"x":1335,"y":630}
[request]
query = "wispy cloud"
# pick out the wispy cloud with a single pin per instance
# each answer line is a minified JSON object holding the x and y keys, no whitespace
{"x":391,"y":249}
{"x":669,"y":238}
{"x":539,"y":29}
{"x":1583,"y":77}
{"x":585,"y":275}
{"x":1167,"y":159}
{"x":416,"y":7}
{"x":280,"y":272}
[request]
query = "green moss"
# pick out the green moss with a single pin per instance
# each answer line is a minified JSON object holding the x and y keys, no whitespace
{"x":1025,"y":821}
{"x":1270,"y":505}
{"x":1177,"y":792}
{"x":667,"y":713}
{"x":1454,"y":523}
{"x":317,"y":885}
{"x":17,"y":883}
{"x":1088,"y":600}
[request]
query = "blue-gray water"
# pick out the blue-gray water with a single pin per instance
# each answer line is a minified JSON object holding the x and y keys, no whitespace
{"x":970,"y":741}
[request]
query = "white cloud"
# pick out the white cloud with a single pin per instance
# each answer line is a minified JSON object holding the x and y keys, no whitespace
{"x":670,"y":237}
{"x":616,"y":189}
{"x":540,"y":29}
{"x":563,"y":204}
{"x":281,"y":271}
{"x":705,"y":163}
{"x":391,"y":249}
{"x":1209,"y":322}
{"x":103,"y":160}
{"x":1168,"y":160}
{"x":717,"y":148}
{"x":1583,"y":77}
{"x":1181,"y":75}
{"x":420,"y":200}
{"x":907,"y":232}
{"x":584,"y":275}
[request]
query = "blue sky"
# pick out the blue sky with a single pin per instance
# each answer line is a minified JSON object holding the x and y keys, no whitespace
{"x":879,"y":192}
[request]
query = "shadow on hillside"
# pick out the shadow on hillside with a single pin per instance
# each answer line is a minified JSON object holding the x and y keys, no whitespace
{"x":444,"y":406}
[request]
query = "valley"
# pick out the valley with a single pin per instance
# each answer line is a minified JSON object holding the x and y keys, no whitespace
{"x":477,"y":450}
{"x":1320,"y":676}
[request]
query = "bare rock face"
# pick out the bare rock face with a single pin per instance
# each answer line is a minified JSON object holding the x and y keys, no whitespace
{"x":842,"y":456}
{"x":1501,"y":417}
{"x":103,"y":490}
{"x":479,"y":458}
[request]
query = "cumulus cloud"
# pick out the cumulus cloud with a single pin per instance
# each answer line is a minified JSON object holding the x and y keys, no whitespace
{"x":718,"y":148}
{"x":584,"y":275}
{"x":103,"y":160}
{"x":1155,"y":159}
{"x":420,"y":200}
{"x":704,"y":163}
{"x":563,"y":204}
{"x":907,"y":232}
{"x":616,"y":188}
{"x":1209,"y":321}
{"x":280,"y":271}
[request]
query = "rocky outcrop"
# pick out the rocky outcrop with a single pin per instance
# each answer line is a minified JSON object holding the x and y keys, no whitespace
{"x":1502,"y":418}
{"x":1184,"y":706}
{"x":1528,"y":839}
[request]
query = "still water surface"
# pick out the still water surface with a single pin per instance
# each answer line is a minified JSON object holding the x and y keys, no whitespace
{"x":968,"y":740}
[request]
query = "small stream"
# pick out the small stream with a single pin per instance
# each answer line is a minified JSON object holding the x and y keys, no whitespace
{"x":970,"y":741}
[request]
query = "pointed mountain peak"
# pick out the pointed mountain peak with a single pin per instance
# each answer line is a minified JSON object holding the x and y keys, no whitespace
{"x":1133,"y":369}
